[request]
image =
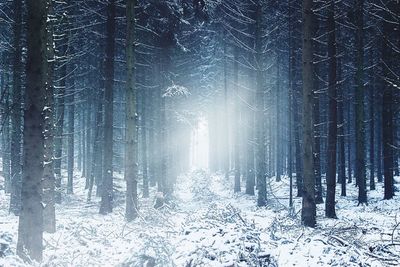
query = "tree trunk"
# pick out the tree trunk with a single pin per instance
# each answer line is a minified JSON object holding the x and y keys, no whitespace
{"x":58,"y":142}
{"x":349,"y":139}
{"x":278,"y":151}
{"x":297,"y":126}
{"x":341,"y":138}
{"x":290,"y":102}
{"x":158,"y":148}
{"x":387,"y":139}
{"x":236,"y":137}
{"x":89,"y":133}
{"x":6,"y":155}
{"x":226,"y":109}
{"x":71,"y":134}
{"x":16,"y":134}
{"x":259,"y":113}
{"x":388,"y":64}
{"x":250,"y":174}
{"x":318,"y":126}
{"x":143,"y":126}
{"x":151,"y":115}
{"x":379,"y":142}
{"x":317,"y":145}
{"x":30,"y":229}
{"x":79,"y":133}
{"x":130,"y":119}
{"x":83,"y":133}
{"x":49,"y":213}
{"x":6,"y":136}
{"x":106,"y":205}
{"x":308,"y":213}
{"x":165,"y":183}
{"x":95,"y":171}
{"x":359,"y":104}
{"x":332,"y":117}
{"x":372,"y":128}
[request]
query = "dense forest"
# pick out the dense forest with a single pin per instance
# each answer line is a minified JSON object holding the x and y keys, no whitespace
{"x":199,"y":133}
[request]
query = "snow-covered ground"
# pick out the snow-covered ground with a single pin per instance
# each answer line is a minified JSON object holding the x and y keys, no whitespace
{"x":207,"y":225}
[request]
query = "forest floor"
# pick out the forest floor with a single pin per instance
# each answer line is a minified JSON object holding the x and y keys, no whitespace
{"x":206,"y":224}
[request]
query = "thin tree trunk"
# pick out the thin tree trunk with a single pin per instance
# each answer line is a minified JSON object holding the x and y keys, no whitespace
{"x":89,"y":133}
{"x":130,"y":119}
{"x":151,"y":115}
{"x":372,"y":130}
{"x":387,"y":139}
{"x":6,"y":152}
{"x":379,"y":142}
{"x":290,"y":102}
{"x":83,"y":134}
{"x":341,"y":138}
{"x":250,"y":174}
{"x":387,"y":107}
{"x":299,"y":167}
{"x":79,"y":133}
{"x":259,"y":113}
{"x":165,"y":183}
{"x":359,"y":104}
{"x":16,"y":134}
{"x":308,"y":212}
{"x":278,"y":122}
{"x":318,"y":126}
{"x":332,"y":117}
{"x":71,"y":129}
{"x":349,"y":140}
{"x":60,"y":111}
{"x":236,"y":137}
{"x":226,"y":109}
{"x":49,"y":213}
{"x":6,"y":136}
{"x":95,"y":170}
{"x":144,"y":141}
{"x":106,"y":205}
{"x":317,"y":145}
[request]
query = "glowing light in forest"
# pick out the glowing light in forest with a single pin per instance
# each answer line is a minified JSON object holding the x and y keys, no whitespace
{"x":199,"y":145}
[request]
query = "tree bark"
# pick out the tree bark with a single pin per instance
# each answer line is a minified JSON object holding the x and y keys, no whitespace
{"x":278,"y":151}
{"x":388,"y":64}
{"x":290,"y":102}
{"x":236,"y":136}
{"x":30,"y":228}
{"x":250,"y":172}
{"x":130,"y":118}
{"x":226,"y":109}
{"x":144,"y":132}
{"x":70,"y":140}
{"x":16,"y":134}
{"x":349,"y":138}
{"x":372,"y":128}
{"x":308,"y":213}
{"x":6,"y":135}
{"x":318,"y":126}
{"x":317,"y":144}
{"x":49,"y":213}
{"x":259,"y":113}
{"x":95,"y":172}
{"x":359,"y":104}
{"x":60,"y":109}
{"x":106,"y":205}
{"x":332,"y":116}
{"x":341,"y":138}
